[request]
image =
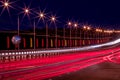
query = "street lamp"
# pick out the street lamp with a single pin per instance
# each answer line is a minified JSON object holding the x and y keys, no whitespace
{"x":70,"y":24}
{"x":84,"y":33}
{"x":88,"y":28}
{"x":34,"y":25}
{"x":25,"y":11}
{"x":88,"y":35}
{"x":6,"y":4}
{"x":76,"y":25}
{"x":64,"y":37}
{"x":84,"y":27}
{"x":53,"y":19}
{"x":42,"y":16}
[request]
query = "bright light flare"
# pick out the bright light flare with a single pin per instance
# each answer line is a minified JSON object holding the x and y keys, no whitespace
{"x":69,"y":23}
{"x":75,"y":25}
{"x":26,"y":10}
{"x":84,"y":27}
{"x":6,"y":5}
{"x":41,"y":15}
{"x":53,"y":18}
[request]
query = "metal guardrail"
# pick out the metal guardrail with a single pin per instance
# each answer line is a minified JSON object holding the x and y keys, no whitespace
{"x":13,"y":55}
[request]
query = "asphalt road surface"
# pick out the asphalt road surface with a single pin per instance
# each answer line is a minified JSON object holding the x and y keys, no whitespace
{"x":102,"y":71}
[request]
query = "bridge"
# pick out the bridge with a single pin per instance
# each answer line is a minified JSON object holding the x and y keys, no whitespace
{"x":51,"y":51}
{"x":43,"y":56}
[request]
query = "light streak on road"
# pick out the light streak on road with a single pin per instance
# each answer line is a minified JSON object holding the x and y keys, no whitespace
{"x":53,"y":66}
{"x":57,"y":65}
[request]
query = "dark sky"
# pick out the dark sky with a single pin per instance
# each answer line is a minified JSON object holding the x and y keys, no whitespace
{"x":96,"y":12}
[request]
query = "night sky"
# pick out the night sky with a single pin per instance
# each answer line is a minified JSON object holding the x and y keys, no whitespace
{"x":104,"y":13}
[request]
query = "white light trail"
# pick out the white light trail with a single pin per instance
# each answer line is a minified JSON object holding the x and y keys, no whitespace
{"x":92,"y":47}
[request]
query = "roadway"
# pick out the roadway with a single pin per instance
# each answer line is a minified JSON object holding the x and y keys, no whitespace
{"x":102,"y":71}
{"x":43,"y":68}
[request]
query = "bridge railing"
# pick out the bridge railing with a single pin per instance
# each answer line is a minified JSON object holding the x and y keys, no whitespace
{"x":13,"y":55}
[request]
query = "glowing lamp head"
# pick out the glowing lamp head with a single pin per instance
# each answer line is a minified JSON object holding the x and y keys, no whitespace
{"x":75,"y":25}
{"x":88,"y":28}
{"x":53,"y":18}
{"x":84,"y":27}
{"x":6,"y":4}
{"x":26,"y":10}
{"x":69,"y":23}
{"x":41,"y":15}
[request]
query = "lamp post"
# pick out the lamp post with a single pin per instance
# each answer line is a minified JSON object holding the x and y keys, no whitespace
{"x":6,"y":5}
{"x":34,"y":34}
{"x":84,"y":32}
{"x":70,"y":24}
{"x":53,"y":19}
{"x":27,"y":12}
{"x":75,"y":25}
{"x":64,"y":36}
{"x":46,"y":35}
{"x":18,"y":25}
{"x":88,"y":35}
{"x":80,"y":38}
{"x":42,"y":16}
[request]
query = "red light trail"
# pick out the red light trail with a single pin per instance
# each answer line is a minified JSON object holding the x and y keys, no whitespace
{"x":47,"y":67}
